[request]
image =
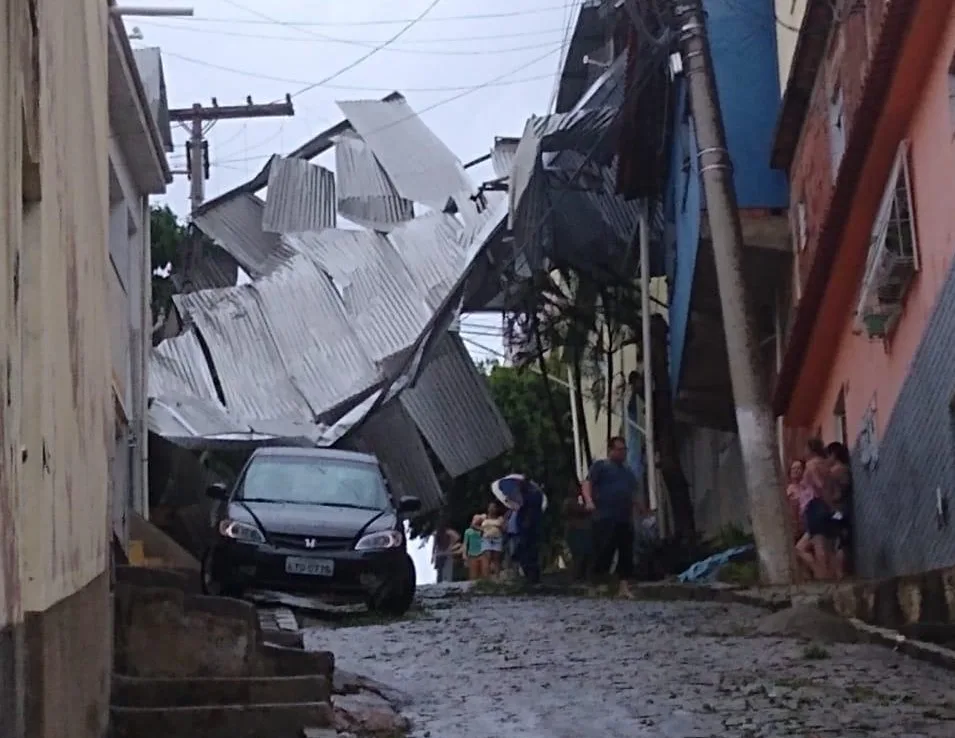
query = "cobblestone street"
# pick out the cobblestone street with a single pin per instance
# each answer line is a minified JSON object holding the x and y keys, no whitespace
{"x":492,"y":667}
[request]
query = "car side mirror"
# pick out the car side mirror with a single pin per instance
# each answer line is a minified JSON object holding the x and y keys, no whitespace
{"x":218,"y":491}
{"x":407,"y":505}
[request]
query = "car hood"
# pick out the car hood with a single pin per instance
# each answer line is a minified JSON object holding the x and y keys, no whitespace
{"x":316,"y":520}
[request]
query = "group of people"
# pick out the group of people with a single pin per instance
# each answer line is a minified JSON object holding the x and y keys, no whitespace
{"x":500,"y":537}
{"x":819,"y":495}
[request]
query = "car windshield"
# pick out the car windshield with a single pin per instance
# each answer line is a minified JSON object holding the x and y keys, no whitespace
{"x":309,"y":480}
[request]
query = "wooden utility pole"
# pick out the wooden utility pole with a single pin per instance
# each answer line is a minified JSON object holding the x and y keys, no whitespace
{"x":197,"y":149}
{"x":754,"y":416}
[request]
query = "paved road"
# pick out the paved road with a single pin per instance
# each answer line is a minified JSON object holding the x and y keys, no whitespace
{"x":554,"y":668}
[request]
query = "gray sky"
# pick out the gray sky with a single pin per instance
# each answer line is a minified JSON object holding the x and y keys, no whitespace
{"x":470,"y":78}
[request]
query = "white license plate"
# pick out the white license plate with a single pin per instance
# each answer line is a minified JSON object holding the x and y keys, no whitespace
{"x":310,"y":567}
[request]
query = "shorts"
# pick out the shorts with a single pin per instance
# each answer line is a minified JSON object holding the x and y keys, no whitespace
{"x":818,"y":521}
{"x":493,"y":545}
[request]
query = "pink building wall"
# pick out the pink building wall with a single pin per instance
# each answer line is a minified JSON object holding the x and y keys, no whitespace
{"x":867,"y":369}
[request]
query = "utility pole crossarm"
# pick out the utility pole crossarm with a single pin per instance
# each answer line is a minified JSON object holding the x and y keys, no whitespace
{"x":232,"y":112}
{"x":197,"y":149}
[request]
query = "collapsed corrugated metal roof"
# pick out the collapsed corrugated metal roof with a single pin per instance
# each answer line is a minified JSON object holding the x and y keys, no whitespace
{"x":236,"y":226}
{"x":391,"y":435}
{"x":301,"y":197}
{"x":366,"y":195}
{"x":563,"y":202}
{"x":419,"y":164}
{"x":178,"y":367}
{"x":433,"y":249}
{"x":337,"y":324}
{"x":283,"y":346}
{"x":502,"y":156}
{"x":449,"y":405}
{"x":386,"y":307}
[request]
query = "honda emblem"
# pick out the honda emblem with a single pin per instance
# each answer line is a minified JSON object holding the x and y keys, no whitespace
{"x":310,"y":543}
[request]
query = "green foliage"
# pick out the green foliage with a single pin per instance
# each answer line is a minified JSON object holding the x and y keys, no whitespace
{"x":541,"y":450}
{"x":167,"y":234}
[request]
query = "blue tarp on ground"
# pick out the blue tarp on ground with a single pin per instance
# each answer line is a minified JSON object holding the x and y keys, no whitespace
{"x":706,"y":570}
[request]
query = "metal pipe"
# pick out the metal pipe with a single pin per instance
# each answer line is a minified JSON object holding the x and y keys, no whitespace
{"x":651,"y":462}
{"x":575,"y":424}
{"x":151,"y":11}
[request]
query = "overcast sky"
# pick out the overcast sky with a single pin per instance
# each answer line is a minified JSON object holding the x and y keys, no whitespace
{"x":472,"y":70}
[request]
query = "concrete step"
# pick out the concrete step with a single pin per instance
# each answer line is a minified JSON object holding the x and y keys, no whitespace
{"x":226,"y":721}
{"x":149,"y":692}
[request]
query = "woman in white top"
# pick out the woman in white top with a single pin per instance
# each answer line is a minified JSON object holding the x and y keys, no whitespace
{"x":492,"y":533}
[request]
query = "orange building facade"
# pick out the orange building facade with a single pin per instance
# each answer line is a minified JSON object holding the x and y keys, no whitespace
{"x":867,"y":344}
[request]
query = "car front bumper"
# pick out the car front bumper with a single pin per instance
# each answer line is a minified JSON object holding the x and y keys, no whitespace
{"x":357,"y":575}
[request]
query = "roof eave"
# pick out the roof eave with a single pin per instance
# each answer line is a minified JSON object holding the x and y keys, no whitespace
{"x":810,"y":51}
{"x":142,"y":131}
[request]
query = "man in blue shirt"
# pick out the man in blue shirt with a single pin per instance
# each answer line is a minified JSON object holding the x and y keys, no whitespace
{"x":611,"y":493}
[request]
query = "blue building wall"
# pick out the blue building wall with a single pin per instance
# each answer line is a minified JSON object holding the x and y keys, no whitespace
{"x":743,"y":42}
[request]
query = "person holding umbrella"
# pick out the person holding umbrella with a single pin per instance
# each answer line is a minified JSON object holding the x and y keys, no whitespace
{"x":527,"y":503}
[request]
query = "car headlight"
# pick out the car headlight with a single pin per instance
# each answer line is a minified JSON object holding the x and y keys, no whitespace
{"x":381,"y":540}
{"x":239,"y":531}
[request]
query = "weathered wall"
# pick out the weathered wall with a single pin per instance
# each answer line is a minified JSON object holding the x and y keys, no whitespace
{"x":713,"y":464}
{"x":54,"y":660}
{"x":67,"y":415}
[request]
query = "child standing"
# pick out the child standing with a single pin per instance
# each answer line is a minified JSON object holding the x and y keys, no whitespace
{"x":492,"y":531}
{"x":474,"y":549}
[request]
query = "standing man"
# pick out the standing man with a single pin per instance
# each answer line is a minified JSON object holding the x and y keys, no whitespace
{"x":611,"y":493}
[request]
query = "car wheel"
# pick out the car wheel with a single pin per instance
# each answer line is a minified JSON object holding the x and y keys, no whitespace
{"x":398,"y":598}
{"x":211,"y":586}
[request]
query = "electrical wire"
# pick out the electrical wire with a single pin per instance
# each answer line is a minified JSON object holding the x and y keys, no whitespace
{"x":350,"y":88}
{"x":349,"y":24}
{"x":356,"y":42}
{"x":452,"y":98}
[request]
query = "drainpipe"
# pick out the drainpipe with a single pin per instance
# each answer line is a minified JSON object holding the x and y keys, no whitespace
{"x":651,"y":455}
{"x":575,"y":423}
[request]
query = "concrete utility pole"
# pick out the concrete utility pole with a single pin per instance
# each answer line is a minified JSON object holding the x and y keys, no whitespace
{"x":754,"y":416}
{"x":197,"y":149}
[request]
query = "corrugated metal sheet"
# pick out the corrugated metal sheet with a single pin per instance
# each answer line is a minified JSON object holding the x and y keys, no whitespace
{"x":422,"y":168}
{"x":502,"y":156}
{"x":453,"y":408}
{"x":433,"y":250}
{"x":254,"y":383}
{"x":178,"y":367}
{"x":301,"y":197}
{"x":317,"y":343}
{"x":283,"y":347}
{"x":387,"y":307}
{"x":213,"y":268}
{"x":366,"y":196}
{"x":236,"y":226}
{"x":391,"y":435}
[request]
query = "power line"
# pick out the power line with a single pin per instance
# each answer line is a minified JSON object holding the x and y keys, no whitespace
{"x":351,"y":41}
{"x":350,"y":88}
{"x":408,"y":25}
{"x":392,"y":22}
{"x":456,"y":52}
{"x":445,"y":101}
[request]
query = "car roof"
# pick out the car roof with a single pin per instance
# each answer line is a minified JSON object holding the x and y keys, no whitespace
{"x":332,"y":454}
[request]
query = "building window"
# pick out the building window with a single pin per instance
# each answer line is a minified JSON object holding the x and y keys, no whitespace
{"x":893,"y":253}
{"x":837,"y":128}
{"x":799,"y":236}
{"x":800,"y":226}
